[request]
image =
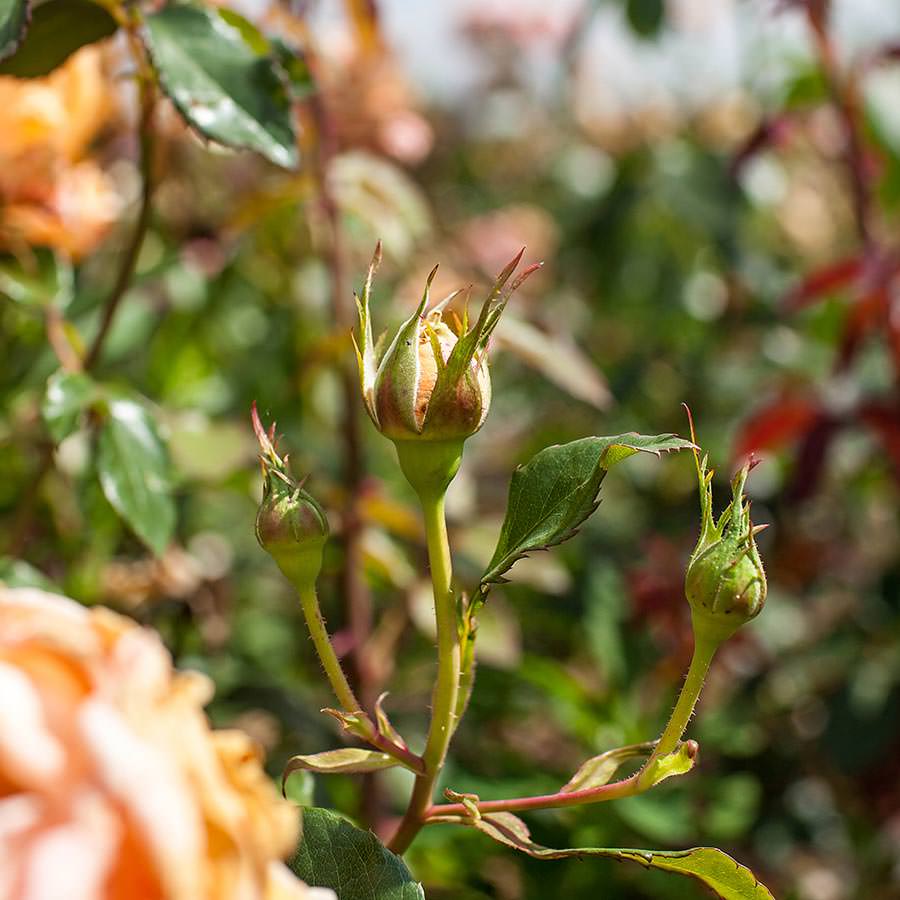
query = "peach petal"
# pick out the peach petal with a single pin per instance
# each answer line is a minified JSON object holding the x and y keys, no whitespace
{"x":154,"y":792}
{"x":29,"y":752}
{"x":72,"y":859}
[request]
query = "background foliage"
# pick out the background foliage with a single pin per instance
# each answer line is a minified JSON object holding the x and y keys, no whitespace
{"x":714,"y":190}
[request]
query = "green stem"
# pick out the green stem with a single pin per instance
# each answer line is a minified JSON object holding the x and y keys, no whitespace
{"x":704,"y":650}
{"x":341,"y":686}
{"x":330,"y":662}
{"x":446,"y":687}
{"x":129,"y":257}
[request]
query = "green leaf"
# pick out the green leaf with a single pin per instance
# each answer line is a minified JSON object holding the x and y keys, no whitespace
{"x":346,"y":761}
{"x":16,"y":573}
{"x":599,"y":770}
{"x":13,"y":23}
{"x":301,"y":789}
{"x":679,"y":762}
{"x":353,"y":863}
{"x":66,"y":397}
{"x":39,"y":278}
{"x":712,"y":867}
{"x":134,"y":472}
{"x":294,"y":69}
{"x":553,"y":494}
{"x":645,"y":16}
{"x":211,"y":65}
{"x":58,"y":28}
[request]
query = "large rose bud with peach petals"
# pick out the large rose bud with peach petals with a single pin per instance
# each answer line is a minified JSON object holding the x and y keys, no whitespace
{"x":431,"y":388}
{"x":112,"y":785}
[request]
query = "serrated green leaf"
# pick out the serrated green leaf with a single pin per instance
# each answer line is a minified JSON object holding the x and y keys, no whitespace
{"x":210,"y":65}
{"x":553,"y":494}
{"x":39,"y":279}
{"x":346,"y":761}
{"x":66,"y":397}
{"x":353,"y":863}
{"x":13,"y":24}
{"x":717,"y":870}
{"x":134,"y":472}
{"x":58,"y":28}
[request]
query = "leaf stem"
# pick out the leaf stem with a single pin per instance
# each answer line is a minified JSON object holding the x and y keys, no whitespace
{"x":614,"y":791}
{"x":447,"y":684}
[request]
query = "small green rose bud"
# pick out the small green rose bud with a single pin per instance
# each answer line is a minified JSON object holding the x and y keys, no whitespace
{"x":432,"y":385}
{"x":725,"y":582}
{"x":290,"y":525}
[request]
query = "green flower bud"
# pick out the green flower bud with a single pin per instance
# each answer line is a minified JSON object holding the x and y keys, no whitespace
{"x":290,"y":525}
{"x":432,"y":385}
{"x":725,"y":582}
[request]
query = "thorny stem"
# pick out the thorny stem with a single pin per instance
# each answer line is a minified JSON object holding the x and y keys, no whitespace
{"x":447,"y":683}
{"x":318,"y":631}
{"x":321,"y":641}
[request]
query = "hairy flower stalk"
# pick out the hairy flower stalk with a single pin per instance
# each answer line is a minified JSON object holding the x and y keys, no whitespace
{"x":725,"y":586}
{"x":428,"y":393}
{"x":292,"y":528}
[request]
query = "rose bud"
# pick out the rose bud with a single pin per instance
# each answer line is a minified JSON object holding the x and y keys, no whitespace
{"x":290,"y":525}
{"x":432,"y":386}
{"x":725,"y":582}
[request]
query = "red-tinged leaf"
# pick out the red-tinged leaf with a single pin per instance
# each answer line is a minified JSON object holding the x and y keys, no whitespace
{"x":861,"y":321}
{"x":811,"y":457}
{"x":775,"y":425}
{"x":884,"y":420}
{"x":821,"y":282}
{"x":893,"y":330}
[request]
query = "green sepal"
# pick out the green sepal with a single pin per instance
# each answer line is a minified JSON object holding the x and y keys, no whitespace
{"x":367,"y":358}
{"x":397,"y":377}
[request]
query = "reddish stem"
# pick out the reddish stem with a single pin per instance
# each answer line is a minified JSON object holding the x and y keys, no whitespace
{"x":846,"y":102}
{"x":613,"y":791}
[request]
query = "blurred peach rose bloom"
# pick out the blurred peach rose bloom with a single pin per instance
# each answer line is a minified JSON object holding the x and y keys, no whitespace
{"x":50,"y":194}
{"x":112,"y":785}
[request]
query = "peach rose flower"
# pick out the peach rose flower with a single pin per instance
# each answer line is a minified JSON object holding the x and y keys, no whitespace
{"x":112,"y":785}
{"x":50,"y":193}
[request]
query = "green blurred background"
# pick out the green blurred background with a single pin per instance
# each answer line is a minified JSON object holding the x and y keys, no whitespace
{"x":713,"y":187}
